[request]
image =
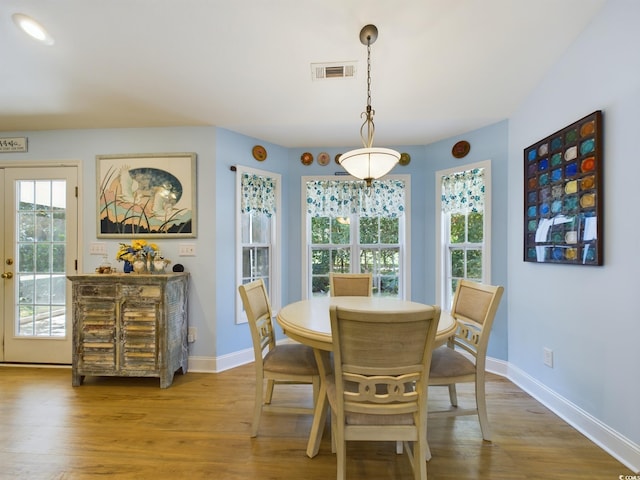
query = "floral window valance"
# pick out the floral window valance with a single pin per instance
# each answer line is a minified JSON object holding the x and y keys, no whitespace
{"x":342,"y":198}
{"x":463,"y":191}
{"x":258,"y":194}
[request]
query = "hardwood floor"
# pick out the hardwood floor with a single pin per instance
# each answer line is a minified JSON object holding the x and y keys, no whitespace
{"x":129,"y":428}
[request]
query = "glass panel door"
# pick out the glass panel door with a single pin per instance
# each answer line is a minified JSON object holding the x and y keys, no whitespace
{"x":40,"y":248}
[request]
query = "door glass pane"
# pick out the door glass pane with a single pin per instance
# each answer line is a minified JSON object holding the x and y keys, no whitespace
{"x":41,"y":254}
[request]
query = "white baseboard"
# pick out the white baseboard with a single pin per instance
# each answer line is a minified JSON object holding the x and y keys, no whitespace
{"x":618,"y":446}
{"x":222,"y":363}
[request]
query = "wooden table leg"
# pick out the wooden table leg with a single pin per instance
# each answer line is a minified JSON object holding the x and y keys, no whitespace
{"x":322,"y":404}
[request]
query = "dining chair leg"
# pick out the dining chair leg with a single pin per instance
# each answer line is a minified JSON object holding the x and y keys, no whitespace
{"x":333,"y":433}
{"x":269,"y":395}
{"x":427,"y":451}
{"x":453,"y":395}
{"x":341,"y":453}
{"x":257,"y":409}
{"x":481,"y":405}
{"x":420,"y":460}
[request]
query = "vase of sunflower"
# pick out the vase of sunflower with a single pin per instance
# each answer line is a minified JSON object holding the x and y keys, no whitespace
{"x":137,"y":256}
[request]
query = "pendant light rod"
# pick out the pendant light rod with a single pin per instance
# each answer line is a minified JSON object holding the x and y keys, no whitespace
{"x":369,"y":163}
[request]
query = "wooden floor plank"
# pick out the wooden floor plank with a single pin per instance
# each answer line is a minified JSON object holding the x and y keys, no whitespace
{"x":128,"y":428}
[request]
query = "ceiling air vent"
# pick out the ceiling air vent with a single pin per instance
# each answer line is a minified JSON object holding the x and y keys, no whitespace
{"x":322,"y":71}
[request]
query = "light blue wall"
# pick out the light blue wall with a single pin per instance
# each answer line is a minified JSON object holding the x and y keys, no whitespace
{"x":212,"y":287}
{"x":83,"y":146}
{"x":489,"y":143}
{"x":585,"y":314}
{"x":235,"y":149}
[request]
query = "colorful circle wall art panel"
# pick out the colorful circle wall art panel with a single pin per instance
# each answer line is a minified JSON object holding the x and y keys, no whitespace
{"x":563,"y":215}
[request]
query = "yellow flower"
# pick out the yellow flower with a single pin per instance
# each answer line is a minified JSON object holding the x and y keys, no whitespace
{"x":138,"y":244}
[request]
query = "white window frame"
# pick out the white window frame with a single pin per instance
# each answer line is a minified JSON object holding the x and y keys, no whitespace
{"x":441,"y":230}
{"x":404,"y":291}
{"x":275,"y":264}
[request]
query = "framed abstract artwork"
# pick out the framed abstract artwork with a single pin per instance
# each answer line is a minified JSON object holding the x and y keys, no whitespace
{"x":563,"y":202}
{"x":146,"y":195}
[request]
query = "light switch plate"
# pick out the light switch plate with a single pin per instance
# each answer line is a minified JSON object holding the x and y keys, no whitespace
{"x":187,"y":250}
{"x":98,"y":248}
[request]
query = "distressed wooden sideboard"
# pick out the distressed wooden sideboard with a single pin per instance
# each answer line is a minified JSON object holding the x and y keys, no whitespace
{"x":129,"y":325}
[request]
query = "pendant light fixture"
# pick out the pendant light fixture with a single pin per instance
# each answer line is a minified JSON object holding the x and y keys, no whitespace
{"x":369,"y":163}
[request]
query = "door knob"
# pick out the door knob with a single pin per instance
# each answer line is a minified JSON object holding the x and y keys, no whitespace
{"x":7,"y":275}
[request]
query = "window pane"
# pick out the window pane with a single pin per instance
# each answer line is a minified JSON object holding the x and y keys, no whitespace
{"x":474,"y":264}
{"x":246,"y":262}
{"x":260,"y":231}
{"x":26,"y":289}
{"x":388,"y":261}
{"x":26,"y":225}
{"x":320,"y":230}
{"x":389,"y":286}
{"x":367,"y":260}
{"x":320,"y":262}
{"x":43,"y":226}
{"x":42,"y":320}
{"x":476,"y":230}
{"x":59,"y":226}
{"x":368,"y":230}
{"x":27,"y":257}
{"x":389,"y":230}
{"x":58,"y":285}
{"x":43,"y":257}
{"x":43,"y":289}
{"x":341,"y":260}
{"x":26,"y":320}
{"x":245,"y":218}
{"x":457,"y":263}
{"x":27,"y":195}
{"x":320,"y":286}
{"x":58,"y":258}
{"x":340,"y":231}
{"x":255,"y":262}
{"x":43,"y":193}
{"x":262,"y":262}
{"x":457,"y":227}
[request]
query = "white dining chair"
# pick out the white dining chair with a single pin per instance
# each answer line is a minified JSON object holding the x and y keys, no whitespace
{"x":463,"y":358}
{"x":350,"y":284}
{"x":379,"y":388}
{"x":277,"y":364}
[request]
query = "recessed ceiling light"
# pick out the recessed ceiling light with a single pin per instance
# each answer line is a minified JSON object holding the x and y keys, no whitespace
{"x":32,"y":28}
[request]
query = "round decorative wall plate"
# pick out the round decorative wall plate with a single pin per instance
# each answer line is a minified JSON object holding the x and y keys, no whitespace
{"x":306,"y":158}
{"x":259,"y":153}
{"x":337,"y":158}
{"x":405,"y":158}
{"x":461,"y":149}
{"x":323,"y":158}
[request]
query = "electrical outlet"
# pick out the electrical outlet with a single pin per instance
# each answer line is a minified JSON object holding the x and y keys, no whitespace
{"x":547,"y":357}
{"x":192,"y":333}
{"x":187,"y":250}
{"x":98,"y":248}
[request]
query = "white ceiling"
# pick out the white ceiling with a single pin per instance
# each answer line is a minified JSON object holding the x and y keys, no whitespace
{"x":439,"y":67}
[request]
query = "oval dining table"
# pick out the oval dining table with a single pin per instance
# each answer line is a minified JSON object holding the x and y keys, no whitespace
{"x":308,"y":322}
